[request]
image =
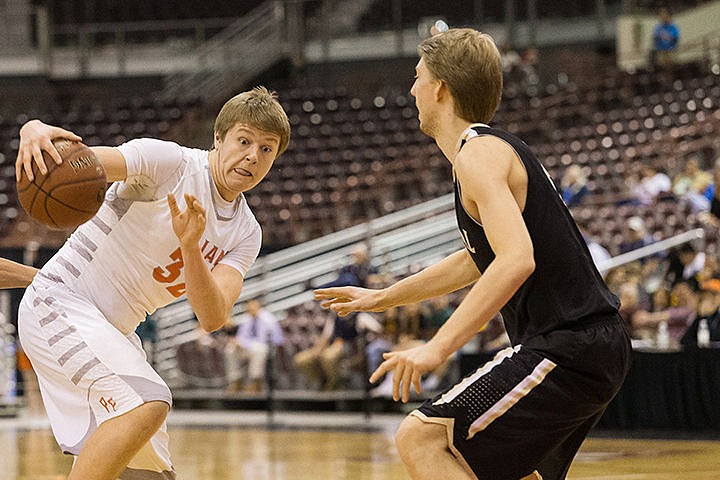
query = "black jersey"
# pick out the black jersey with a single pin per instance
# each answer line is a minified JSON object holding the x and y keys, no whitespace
{"x":565,"y":291}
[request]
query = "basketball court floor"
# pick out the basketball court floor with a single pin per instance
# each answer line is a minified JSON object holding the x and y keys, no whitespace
{"x":240,"y":445}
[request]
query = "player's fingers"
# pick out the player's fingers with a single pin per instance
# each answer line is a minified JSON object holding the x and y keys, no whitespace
{"x":344,"y":308}
{"x":397,"y":378}
{"x":379,"y":372}
{"x":193,"y":205}
{"x":172,"y":204}
{"x":416,"y":381}
{"x":321,"y":293}
{"x":62,"y":133}
{"x":39,"y":161}
{"x":19,"y":165}
{"x":52,"y":151}
{"x":408,"y":375}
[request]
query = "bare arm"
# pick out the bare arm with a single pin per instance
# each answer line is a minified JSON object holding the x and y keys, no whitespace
{"x":485,"y":170}
{"x":448,"y":275}
{"x":211,"y":293}
{"x":491,"y":194}
{"x":15,"y":275}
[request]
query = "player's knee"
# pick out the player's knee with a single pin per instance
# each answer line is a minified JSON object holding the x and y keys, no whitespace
{"x":155,"y":414}
{"x":413,"y":439}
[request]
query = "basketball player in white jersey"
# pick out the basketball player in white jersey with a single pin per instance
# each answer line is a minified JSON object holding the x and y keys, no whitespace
{"x":174,"y":223}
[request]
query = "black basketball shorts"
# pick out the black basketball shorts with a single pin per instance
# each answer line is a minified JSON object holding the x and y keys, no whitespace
{"x":523,"y":412}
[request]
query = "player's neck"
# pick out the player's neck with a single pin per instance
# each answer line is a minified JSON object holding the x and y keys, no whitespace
{"x":449,"y":135}
{"x":216,"y":175}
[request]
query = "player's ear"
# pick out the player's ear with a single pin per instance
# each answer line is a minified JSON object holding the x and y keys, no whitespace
{"x":216,"y":139}
{"x":441,"y":90}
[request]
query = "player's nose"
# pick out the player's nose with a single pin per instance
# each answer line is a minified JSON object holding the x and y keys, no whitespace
{"x":251,"y":154}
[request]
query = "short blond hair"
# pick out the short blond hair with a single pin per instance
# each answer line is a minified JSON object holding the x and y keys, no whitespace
{"x":258,"y":108}
{"x":468,"y":62}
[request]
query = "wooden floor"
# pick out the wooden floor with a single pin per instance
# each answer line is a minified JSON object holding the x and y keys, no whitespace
{"x":305,"y":448}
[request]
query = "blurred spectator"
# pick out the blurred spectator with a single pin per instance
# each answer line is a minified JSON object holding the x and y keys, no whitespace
{"x":358,"y":273}
{"x":630,"y":305}
{"x":708,"y":310}
{"x":678,"y":313}
{"x":320,"y":364}
{"x":665,"y":37}
{"x":530,"y":59}
{"x":258,"y":330}
{"x":573,"y":186}
{"x":692,"y":184}
{"x":637,"y":235}
{"x":411,"y":318}
{"x":203,"y":360}
{"x":511,"y":64}
{"x":439,"y":310}
{"x":685,"y":264}
{"x":493,"y":336}
{"x":651,"y":184}
{"x":598,"y":253}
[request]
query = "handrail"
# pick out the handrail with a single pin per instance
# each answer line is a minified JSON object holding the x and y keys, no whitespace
{"x":651,"y":249}
{"x":418,"y":235}
{"x":233,"y":56}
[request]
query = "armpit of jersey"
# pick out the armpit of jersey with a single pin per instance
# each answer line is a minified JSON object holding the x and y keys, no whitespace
{"x":138,"y":188}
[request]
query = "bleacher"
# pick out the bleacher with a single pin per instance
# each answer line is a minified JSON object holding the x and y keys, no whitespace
{"x":355,"y":157}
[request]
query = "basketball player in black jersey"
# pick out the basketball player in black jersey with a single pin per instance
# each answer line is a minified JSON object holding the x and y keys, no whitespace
{"x":524,"y":414}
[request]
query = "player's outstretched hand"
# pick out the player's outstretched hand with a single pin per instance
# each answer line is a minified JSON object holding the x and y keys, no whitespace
{"x":345,"y":300}
{"x":188,"y":224}
{"x":408,"y":366}
{"x":36,"y":137}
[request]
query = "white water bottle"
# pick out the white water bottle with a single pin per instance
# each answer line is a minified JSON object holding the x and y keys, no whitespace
{"x":662,"y":340}
{"x":703,"y":334}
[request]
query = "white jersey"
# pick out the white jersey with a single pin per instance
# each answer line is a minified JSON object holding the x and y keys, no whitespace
{"x":126,"y":260}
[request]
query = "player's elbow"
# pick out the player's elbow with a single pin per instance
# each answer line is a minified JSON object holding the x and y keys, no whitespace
{"x":524,"y":266}
{"x":213,"y":323}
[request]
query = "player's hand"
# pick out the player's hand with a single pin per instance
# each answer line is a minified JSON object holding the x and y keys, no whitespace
{"x":188,"y":224}
{"x":36,"y":137}
{"x":407,"y":367}
{"x":345,"y":300}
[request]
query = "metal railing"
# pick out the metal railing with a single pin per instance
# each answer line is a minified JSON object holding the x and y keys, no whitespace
{"x":417,"y":236}
{"x":228,"y":60}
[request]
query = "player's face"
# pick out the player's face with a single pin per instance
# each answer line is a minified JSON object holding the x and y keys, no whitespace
{"x":424,"y":90}
{"x":244,"y":157}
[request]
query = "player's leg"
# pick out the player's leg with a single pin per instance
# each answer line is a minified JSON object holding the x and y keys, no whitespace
{"x":424,"y":449}
{"x":308,"y":364}
{"x":99,"y":391}
{"x":113,"y":444}
{"x":257,"y":360}
{"x":329,"y":362}
{"x":557,"y":463}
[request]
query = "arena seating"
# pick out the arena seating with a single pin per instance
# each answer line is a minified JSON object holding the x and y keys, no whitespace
{"x":354,"y":158}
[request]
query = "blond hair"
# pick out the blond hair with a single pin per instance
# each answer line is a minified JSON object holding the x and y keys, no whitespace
{"x":468,"y":62}
{"x":258,"y":108}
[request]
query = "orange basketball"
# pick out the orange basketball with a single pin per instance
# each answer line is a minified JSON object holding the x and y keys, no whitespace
{"x":70,"y":193}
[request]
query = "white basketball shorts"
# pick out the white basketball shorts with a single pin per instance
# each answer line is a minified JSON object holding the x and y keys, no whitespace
{"x":89,"y":372}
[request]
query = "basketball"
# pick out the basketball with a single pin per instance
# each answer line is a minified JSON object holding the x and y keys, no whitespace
{"x":70,"y":193}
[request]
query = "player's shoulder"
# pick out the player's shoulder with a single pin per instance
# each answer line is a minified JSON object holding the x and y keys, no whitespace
{"x":486,"y":151}
{"x":151,"y":149}
{"x":151,"y":143}
{"x":247,"y":217}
